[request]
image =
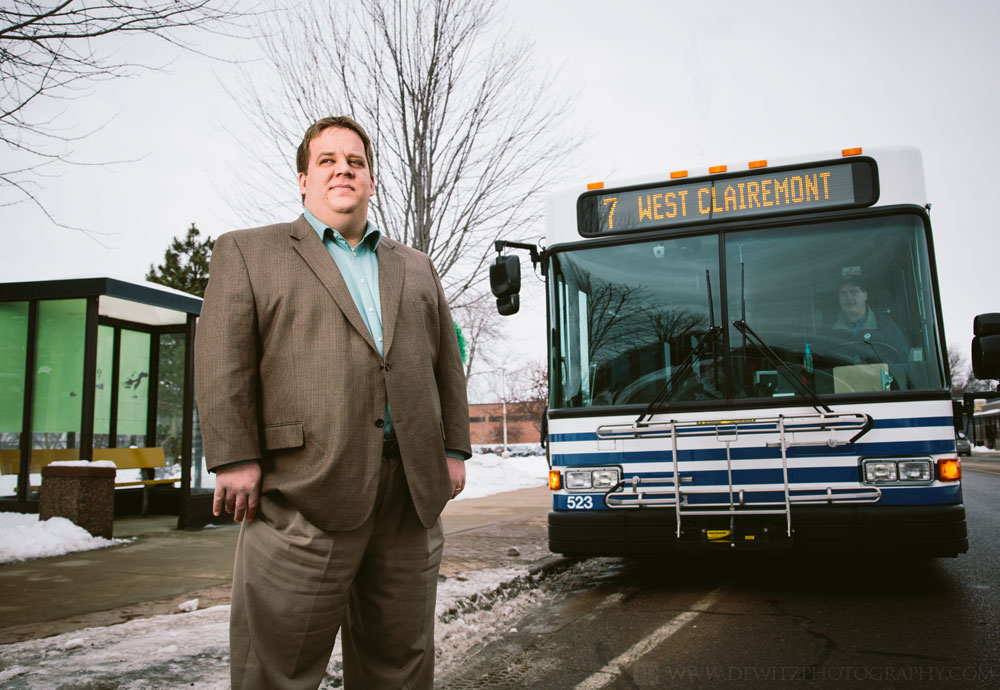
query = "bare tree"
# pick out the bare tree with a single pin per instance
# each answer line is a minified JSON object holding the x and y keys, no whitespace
{"x":466,"y":131}
{"x":611,"y":316}
{"x":479,"y":318}
{"x":962,"y":378}
{"x":534,"y":391}
{"x":52,"y":51}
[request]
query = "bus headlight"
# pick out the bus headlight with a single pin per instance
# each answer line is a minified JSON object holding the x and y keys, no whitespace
{"x":904,"y":470}
{"x":579,"y":479}
{"x":603,"y":478}
{"x":880,"y":472}
{"x":914,"y":471}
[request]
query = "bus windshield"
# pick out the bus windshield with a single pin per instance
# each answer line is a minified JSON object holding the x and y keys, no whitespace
{"x":842,"y":307}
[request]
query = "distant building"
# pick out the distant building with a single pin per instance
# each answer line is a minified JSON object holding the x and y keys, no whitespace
{"x":524,"y":423}
{"x":986,"y":423}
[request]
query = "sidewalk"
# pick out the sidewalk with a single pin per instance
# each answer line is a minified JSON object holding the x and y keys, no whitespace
{"x":163,"y":567}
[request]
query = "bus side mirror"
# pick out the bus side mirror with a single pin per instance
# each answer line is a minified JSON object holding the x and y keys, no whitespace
{"x":505,"y":282}
{"x":986,"y":346}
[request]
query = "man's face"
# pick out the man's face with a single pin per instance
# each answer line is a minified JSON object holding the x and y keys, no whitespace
{"x":853,"y":301}
{"x":338,"y":182}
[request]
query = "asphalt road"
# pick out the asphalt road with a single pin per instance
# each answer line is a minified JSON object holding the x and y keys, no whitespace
{"x":764,"y":621}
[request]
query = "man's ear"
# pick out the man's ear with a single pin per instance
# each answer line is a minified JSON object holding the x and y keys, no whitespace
{"x":302,"y":184}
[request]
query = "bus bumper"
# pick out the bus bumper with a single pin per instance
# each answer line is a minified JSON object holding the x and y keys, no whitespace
{"x":933,"y":530}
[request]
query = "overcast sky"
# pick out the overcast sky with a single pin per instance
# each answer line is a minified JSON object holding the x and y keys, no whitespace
{"x":660,"y":86}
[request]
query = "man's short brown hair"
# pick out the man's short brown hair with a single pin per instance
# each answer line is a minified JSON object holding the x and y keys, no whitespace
{"x":318,"y":127}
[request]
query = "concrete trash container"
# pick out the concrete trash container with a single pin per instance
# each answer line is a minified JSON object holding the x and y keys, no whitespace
{"x":81,"y":491}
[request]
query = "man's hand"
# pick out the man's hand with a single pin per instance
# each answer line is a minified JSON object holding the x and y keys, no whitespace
{"x":237,"y":489}
{"x":456,"y":470}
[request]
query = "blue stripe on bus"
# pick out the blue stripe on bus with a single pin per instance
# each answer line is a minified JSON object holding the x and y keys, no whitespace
{"x":796,"y":475}
{"x":910,"y":495}
{"x":898,"y":423}
{"x":913,"y":422}
{"x":921,"y":495}
{"x":880,"y":449}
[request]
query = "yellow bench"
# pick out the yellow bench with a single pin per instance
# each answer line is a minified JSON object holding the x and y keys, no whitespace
{"x":124,"y":459}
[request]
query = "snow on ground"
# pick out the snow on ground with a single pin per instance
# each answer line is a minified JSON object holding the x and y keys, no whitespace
{"x":22,"y":536}
{"x":190,"y":650}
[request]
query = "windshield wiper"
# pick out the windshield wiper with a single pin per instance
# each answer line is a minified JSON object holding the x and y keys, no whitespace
{"x":781,"y":366}
{"x":666,"y":390}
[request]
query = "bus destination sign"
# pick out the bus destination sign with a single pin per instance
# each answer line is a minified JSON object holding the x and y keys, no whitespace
{"x":835,"y":185}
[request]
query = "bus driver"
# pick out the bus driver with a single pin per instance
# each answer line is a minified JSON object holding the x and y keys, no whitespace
{"x":865,"y":335}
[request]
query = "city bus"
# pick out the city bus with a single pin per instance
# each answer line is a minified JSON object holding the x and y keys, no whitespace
{"x":747,"y":356}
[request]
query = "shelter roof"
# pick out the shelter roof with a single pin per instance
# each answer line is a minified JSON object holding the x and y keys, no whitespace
{"x":137,"y":302}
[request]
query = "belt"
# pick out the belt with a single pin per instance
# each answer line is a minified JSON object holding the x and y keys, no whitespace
{"x":390,"y":447}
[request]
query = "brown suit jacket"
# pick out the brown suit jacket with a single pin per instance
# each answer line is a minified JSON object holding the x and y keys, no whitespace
{"x":287,"y":372}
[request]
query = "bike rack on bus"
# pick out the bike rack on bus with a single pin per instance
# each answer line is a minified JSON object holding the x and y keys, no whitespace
{"x":668,"y":491}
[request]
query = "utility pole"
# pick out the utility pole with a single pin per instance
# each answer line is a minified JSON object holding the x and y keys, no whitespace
{"x":503,"y":399}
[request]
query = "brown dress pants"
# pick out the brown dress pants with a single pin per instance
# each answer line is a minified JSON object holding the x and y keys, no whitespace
{"x":295,"y":585}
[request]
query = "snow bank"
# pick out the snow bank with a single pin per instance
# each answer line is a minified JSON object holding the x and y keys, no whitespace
{"x":490,"y":474}
{"x":24,"y":536}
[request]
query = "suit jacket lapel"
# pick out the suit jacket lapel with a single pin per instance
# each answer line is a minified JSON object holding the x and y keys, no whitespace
{"x":391,"y":276}
{"x":309,"y":246}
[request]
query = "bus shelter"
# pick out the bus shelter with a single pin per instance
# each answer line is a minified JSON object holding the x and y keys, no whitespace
{"x":101,"y":369}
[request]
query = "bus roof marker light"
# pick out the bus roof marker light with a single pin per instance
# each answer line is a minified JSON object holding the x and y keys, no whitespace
{"x":594,"y":185}
{"x":717,"y":169}
{"x":949,"y":469}
{"x":851,"y":152}
{"x":678,"y":174}
{"x":758,"y":164}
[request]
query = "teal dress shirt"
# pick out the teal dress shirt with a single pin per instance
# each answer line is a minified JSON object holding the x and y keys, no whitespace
{"x":359,"y":267}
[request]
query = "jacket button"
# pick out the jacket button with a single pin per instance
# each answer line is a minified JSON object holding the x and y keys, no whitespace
{"x":387,"y":367}
{"x":380,"y":423}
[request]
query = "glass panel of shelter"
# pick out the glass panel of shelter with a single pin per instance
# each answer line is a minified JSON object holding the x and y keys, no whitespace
{"x":58,"y":376}
{"x":13,"y":360}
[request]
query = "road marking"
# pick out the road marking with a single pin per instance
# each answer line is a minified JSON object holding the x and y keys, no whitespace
{"x":979,"y":469}
{"x":613,"y":669}
{"x":984,"y":467}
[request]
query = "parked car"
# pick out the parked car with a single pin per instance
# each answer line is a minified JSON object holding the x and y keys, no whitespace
{"x":962,"y":443}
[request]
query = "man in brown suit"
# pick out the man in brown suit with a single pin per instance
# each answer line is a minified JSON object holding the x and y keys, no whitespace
{"x":333,"y":409}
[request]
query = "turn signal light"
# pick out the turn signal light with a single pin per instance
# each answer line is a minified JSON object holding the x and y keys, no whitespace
{"x":555,"y":480}
{"x":595,"y":185}
{"x":949,"y":469}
